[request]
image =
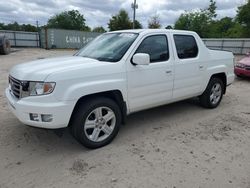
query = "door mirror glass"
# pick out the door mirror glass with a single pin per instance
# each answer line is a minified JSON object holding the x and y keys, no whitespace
{"x":141,"y":59}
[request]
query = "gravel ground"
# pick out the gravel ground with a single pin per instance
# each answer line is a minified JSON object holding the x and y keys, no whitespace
{"x":177,"y":145}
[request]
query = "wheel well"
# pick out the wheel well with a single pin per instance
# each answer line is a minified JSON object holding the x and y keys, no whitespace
{"x":115,"y":95}
{"x":223,"y":77}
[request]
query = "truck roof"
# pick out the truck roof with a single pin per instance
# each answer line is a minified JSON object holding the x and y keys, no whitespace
{"x":153,"y":31}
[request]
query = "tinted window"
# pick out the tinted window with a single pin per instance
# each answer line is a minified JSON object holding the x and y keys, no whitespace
{"x":186,"y":46}
{"x":156,"y":46}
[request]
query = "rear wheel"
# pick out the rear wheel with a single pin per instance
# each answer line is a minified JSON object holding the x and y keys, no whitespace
{"x":96,"y":122}
{"x":213,"y":94}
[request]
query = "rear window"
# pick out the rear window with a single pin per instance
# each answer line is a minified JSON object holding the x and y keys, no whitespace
{"x":186,"y":46}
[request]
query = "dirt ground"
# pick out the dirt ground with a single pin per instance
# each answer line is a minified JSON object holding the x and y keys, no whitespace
{"x":177,"y":145}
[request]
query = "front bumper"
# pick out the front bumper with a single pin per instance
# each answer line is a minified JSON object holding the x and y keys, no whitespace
{"x":241,"y":72}
{"x":60,"y":110}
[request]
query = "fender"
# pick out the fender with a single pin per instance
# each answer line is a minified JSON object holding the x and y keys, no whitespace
{"x":212,"y":71}
{"x":78,"y":90}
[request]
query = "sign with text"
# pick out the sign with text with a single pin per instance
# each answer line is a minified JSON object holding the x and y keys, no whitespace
{"x":60,"y":38}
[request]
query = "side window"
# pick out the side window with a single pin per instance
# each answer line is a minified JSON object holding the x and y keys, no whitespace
{"x":156,"y":46}
{"x":186,"y":46}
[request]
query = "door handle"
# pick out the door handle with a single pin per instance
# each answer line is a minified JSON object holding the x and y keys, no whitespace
{"x":168,"y":71}
{"x":201,"y":66}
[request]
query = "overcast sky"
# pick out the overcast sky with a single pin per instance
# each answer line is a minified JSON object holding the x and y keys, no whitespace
{"x":98,"y":12}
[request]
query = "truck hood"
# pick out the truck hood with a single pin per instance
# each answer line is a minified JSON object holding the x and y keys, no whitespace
{"x":39,"y":70}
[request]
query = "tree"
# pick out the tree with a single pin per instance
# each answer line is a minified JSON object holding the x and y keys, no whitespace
{"x":169,"y":27}
{"x":154,"y":22}
{"x":225,"y":27}
{"x":211,"y":10}
{"x":138,"y":25}
{"x":120,"y":21}
{"x":87,"y":28}
{"x":68,"y":20}
{"x":13,"y":26}
{"x":194,"y":21}
{"x":204,"y":22}
{"x":198,"y":21}
{"x":2,"y":26}
{"x":17,"y":27}
{"x":99,"y":29}
{"x":28,"y":27}
{"x":243,"y":16}
{"x":236,"y":31}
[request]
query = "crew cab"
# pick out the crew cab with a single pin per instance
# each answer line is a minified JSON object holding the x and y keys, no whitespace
{"x":117,"y":74}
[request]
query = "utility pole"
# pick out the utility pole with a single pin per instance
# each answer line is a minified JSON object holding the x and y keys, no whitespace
{"x":134,"y":6}
{"x":38,"y":37}
{"x":37,"y":26}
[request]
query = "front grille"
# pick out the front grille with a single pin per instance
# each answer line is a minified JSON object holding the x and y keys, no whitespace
{"x":247,"y":67}
{"x":15,"y":87}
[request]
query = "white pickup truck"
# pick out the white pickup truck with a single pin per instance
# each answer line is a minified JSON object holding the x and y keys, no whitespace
{"x":117,"y":74}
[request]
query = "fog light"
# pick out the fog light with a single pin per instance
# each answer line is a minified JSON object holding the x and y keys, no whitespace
{"x":34,"y":117}
{"x":46,"y":117}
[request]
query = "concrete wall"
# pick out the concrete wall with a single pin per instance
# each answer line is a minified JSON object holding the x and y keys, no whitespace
{"x":237,"y":46}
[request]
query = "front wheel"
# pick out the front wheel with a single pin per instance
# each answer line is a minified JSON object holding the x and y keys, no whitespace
{"x":213,"y":94}
{"x":96,"y":122}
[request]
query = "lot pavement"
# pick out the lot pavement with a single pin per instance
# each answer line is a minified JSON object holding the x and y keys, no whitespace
{"x":177,"y":145}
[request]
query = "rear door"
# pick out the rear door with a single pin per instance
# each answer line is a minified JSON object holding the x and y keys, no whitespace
{"x":188,"y":66}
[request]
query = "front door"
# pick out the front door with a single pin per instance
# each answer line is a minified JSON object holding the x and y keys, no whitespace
{"x":151,"y":85}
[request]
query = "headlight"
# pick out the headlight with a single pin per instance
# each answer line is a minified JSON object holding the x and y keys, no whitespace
{"x":240,"y":65}
{"x":37,"y":88}
{"x":41,"y":88}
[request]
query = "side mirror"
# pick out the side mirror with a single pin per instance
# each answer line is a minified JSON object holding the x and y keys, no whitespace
{"x":141,"y":59}
{"x":248,"y":54}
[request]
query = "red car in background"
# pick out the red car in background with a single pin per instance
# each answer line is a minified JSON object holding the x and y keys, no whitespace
{"x":242,"y":67}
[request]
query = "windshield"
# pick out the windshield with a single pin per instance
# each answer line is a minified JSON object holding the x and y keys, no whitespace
{"x":108,"y":47}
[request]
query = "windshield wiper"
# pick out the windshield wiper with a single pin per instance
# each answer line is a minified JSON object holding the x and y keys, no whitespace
{"x":90,"y":57}
{"x":105,"y":59}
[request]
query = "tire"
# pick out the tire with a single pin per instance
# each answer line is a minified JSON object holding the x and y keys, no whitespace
{"x":5,"y":48}
{"x":213,"y":94}
{"x":239,"y":76}
{"x":104,"y":120}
